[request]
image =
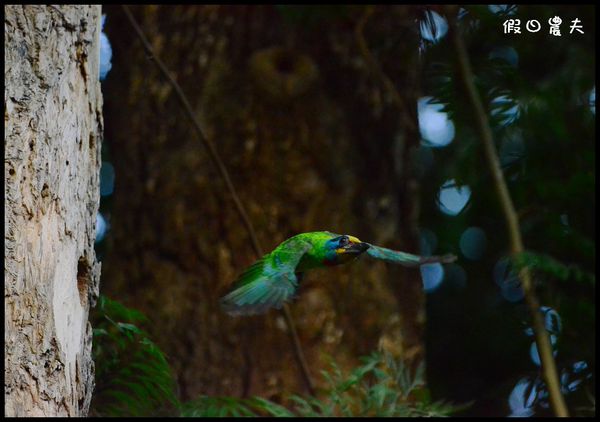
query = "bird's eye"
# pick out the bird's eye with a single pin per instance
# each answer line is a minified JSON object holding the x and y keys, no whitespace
{"x":344,"y":241}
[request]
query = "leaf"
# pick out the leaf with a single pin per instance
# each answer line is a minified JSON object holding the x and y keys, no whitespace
{"x":129,"y":327}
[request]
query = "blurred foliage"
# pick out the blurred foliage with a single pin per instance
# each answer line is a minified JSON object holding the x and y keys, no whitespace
{"x":545,"y":264}
{"x":134,"y":379}
{"x":382,"y":386}
{"x":537,"y":91}
{"x":132,"y":374}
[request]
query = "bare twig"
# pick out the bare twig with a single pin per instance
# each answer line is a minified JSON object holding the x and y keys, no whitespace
{"x":225,"y":175}
{"x":541,"y":335}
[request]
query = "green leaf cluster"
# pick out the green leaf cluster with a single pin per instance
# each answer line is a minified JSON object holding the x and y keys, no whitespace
{"x":133,"y":376}
{"x":134,"y":379}
{"x":381,"y":386}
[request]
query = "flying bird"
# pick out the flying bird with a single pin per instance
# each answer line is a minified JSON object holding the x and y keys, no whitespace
{"x":274,"y":278}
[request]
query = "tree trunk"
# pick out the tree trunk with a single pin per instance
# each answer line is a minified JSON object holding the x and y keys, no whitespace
{"x":53,"y":123}
{"x":290,"y":111}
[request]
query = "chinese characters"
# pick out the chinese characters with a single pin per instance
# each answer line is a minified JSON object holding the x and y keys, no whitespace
{"x":513,"y":26}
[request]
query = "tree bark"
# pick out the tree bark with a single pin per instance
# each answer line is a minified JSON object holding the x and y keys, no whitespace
{"x":53,"y":123}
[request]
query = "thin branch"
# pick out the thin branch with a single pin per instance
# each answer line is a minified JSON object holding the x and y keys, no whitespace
{"x":225,"y":175}
{"x":541,"y":335}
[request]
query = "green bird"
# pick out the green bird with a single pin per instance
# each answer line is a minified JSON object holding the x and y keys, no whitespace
{"x":274,"y":279}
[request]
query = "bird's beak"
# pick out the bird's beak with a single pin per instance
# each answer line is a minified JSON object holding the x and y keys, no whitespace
{"x":356,"y":247}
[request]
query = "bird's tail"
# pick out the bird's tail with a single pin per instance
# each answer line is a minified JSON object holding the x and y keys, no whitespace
{"x":442,"y":259}
{"x":406,"y":259}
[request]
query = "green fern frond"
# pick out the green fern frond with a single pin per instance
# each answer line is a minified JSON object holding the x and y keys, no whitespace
{"x":133,"y":377}
{"x":381,"y":386}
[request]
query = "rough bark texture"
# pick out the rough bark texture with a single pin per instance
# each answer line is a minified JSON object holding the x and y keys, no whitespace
{"x":53,"y":120}
{"x":312,"y":143}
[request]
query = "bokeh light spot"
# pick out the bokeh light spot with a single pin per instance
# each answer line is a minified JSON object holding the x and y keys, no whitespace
{"x":452,"y":199}
{"x":505,"y":110}
{"x":432,"y":276}
{"x":101,"y":227}
{"x":522,"y":398}
{"x":105,"y":52}
{"x":579,"y":367}
{"x":437,"y":130}
{"x":503,"y":9}
{"x":533,"y":350}
{"x":552,"y":320}
{"x":439,"y":30}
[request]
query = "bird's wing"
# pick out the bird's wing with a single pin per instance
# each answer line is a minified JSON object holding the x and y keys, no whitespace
{"x":406,"y":259}
{"x":266,"y":284}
